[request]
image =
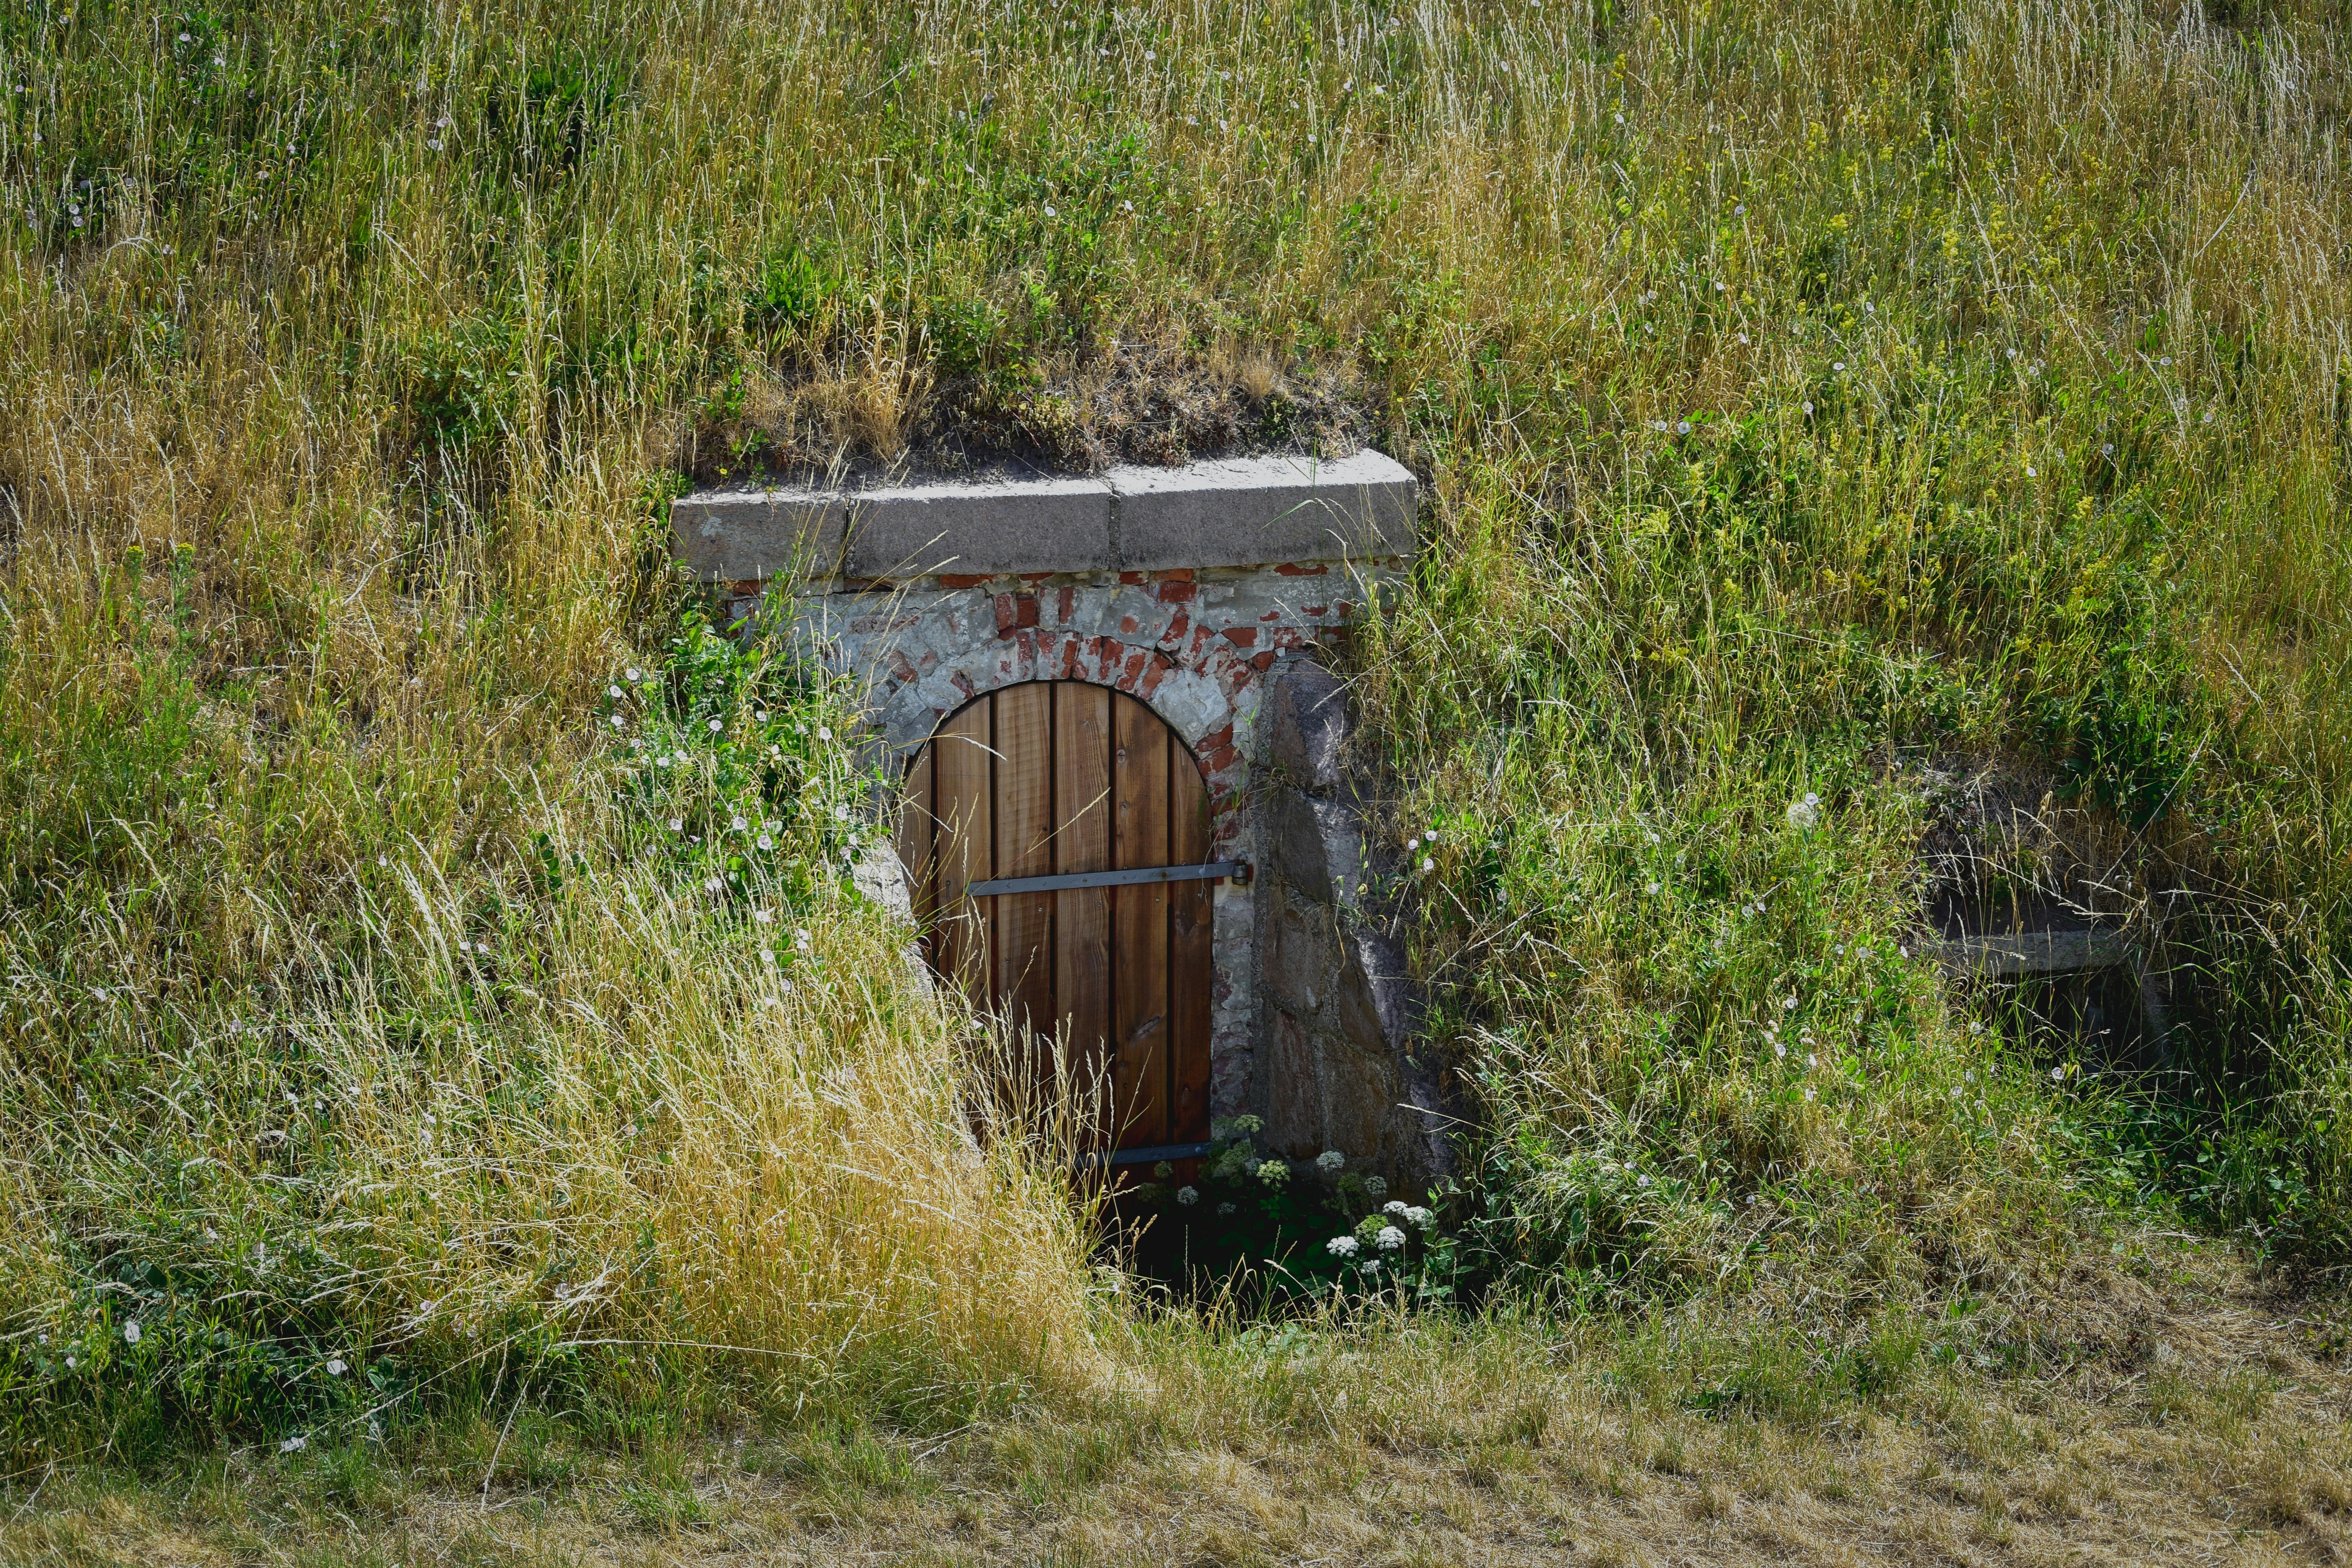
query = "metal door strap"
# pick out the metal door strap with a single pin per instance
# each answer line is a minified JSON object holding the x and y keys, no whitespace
{"x":1146,"y":1156}
{"x":1239,"y":870}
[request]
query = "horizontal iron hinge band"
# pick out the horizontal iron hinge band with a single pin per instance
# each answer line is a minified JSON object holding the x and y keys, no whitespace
{"x":1147,"y":1156}
{"x":1239,"y":870}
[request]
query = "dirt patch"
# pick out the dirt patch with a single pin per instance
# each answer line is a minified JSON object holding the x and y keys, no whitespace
{"x":866,"y":414}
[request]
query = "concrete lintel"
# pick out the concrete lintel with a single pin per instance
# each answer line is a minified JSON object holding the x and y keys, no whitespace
{"x":2016,"y":954}
{"x":1241,"y":512}
{"x":1260,"y":511}
{"x":1058,"y":524}
{"x":734,"y":536}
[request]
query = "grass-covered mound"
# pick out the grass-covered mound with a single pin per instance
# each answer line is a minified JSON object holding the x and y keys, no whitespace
{"x":1815,"y":399}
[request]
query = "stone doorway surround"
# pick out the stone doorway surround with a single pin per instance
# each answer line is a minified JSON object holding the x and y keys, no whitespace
{"x":1181,"y":586}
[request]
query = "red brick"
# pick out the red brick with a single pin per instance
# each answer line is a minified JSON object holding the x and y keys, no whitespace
{"x":1178,"y":624}
{"x":1005,"y":614}
{"x":960,"y":580}
{"x":1025,"y":610}
{"x":1132,"y":669}
{"x":1068,"y":602}
{"x":1217,"y":738}
{"x":961,"y":684}
{"x":1132,"y":579}
{"x":1241,"y":637}
{"x":1221,"y":759}
{"x":1153,"y":676}
{"x":1316,"y":610}
{"x":900,"y":670}
{"x":1264,"y":660}
{"x":1177,"y":593}
{"x":1177,"y":575}
{"x":1292,"y":569}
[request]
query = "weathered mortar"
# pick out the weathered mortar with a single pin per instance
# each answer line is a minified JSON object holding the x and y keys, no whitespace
{"x":1183,"y":587}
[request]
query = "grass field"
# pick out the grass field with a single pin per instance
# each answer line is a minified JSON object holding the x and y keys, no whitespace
{"x":1833,"y":417}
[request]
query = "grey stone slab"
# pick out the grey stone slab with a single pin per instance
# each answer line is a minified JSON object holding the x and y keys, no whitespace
{"x":1306,"y":724}
{"x":743,"y":536}
{"x":2027,"y":952}
{"x":1045,"y":525}
{"x":1258,"y":511}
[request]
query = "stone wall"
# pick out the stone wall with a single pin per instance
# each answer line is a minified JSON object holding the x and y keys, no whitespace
{"x":1344,"y":1065}
{"x":1196,"y":645}
{"x":1183,"y":587}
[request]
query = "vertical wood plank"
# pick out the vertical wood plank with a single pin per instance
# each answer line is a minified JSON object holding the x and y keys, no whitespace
{"x":1191,"y":958}
{"x":917,"y":832}
{"x":1024,"y":829}
{"x":1082,"y":961}
{"x":964,"y":802}
{"x":1140,"y":924}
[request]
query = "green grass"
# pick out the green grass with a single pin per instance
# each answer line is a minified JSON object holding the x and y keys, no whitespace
{"x":351,"y":353}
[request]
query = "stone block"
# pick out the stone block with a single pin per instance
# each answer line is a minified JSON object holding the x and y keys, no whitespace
{"x":1305,"y":721}
{"x":749,"y":535}
{"x":1256,"y":511}
{"x":1295,"y":851}
{"x":1301,"y":960}
{"x":1043,"y":524}
{"x":1293,"y":1121}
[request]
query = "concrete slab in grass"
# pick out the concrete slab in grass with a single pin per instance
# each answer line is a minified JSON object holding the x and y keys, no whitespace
{"x":1055,"y":524}
{"x":745,"y":535}
{"x":1258,"y":511}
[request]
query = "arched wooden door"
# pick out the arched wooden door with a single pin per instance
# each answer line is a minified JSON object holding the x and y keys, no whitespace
{"x":1058,"y":782}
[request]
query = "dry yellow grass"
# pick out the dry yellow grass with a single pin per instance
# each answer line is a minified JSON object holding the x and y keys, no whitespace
{"x":2218,"y":1440}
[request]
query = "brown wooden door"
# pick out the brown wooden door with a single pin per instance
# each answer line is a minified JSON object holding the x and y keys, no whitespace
{"x":1053,"y":777}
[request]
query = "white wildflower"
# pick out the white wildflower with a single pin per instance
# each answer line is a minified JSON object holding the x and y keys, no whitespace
{"x":1188,"y":1196}
{"x":1806,"y":812}
{"x":1419,"y":1216}
{"x":336,"y":1366}
{"x":131,"y":1332}
{"x":1342,"y":1246}
{"x":1389,"y":1239}
{"x":1330,"y":1161}
{"x":636,"y":674}
{"x":1273,"y":1173}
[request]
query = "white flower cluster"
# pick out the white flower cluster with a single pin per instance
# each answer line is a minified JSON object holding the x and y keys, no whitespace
{"x":1331,"y":1161}
{"x":1342,"y":1246}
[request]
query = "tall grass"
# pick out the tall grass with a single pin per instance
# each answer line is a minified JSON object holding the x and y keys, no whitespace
{"x":352,"y":351}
